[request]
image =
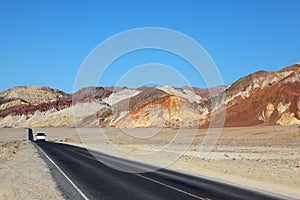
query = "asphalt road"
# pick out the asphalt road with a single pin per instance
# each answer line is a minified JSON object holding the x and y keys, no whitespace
{"x":80,"y":176}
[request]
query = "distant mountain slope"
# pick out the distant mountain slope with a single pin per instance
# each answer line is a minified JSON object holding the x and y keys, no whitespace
{"x":42,"y":106}
{"x":261,"y":98}
{"x":154,"y":107}
{"x":90,"y":94}
{"x":33,"y":95}
{"x":26,"y":100}
{"x":206,"y":92}
{"x":267,"y":98}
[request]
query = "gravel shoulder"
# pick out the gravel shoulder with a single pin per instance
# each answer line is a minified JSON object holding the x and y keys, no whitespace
{"x":23,"y":174}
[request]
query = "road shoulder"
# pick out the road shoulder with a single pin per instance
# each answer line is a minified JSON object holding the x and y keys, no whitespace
{"x":24,"y":175}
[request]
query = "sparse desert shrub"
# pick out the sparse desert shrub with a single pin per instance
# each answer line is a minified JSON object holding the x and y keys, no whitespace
{"x":226,"y":155}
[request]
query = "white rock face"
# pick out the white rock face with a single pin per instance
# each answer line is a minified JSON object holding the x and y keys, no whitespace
{"x":120,"y":95}
{"x":288,"y":119}
{"x":122,"y":114}
{"x":269,"y":111}
{"x":263,"y":81}
{"x":12,"y":121}
{"x":293,"y":79}
{"x":281,"y":108}
{"x":186,"y":94}
{"x":67,"y":117}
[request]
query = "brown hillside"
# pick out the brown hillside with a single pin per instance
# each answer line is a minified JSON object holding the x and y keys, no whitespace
{"x":267,"y":98}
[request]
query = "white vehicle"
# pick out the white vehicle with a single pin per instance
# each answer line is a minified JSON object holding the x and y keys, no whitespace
{"x":40,"y":136}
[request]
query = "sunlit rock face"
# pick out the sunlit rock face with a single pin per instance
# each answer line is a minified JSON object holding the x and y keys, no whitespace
{"x":264,"y":98}
{"x":261,"y":98}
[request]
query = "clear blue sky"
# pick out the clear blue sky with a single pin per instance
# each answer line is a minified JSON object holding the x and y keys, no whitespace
{"x":45,"y":42}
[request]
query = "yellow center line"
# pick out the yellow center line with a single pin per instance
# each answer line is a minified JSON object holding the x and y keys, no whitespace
{"x":171,"y":187}
{"x":147,"y":178}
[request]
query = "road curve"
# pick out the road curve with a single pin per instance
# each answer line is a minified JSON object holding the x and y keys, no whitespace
{"x":98,"y":181}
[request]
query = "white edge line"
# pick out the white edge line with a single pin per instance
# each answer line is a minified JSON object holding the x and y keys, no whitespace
{"x":73,"y":184}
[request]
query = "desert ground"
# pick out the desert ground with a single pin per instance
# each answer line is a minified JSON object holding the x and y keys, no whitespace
{"x":262,"y":157}
{"x":23,"y":174}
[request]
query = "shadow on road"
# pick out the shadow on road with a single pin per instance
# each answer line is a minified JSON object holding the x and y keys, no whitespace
{"x":30,"y":134}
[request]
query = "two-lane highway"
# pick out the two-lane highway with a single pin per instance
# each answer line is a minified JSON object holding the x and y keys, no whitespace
{"x":95,"y":180}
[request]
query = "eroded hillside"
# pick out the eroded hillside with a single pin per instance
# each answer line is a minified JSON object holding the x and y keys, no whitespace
{"x":261,"y":98}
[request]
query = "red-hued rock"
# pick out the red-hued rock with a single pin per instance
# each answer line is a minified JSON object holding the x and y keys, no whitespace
{"x":261,"y":98}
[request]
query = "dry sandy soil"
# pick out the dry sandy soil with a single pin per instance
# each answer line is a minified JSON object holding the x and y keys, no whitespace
{"x":23,"y":174}
{"x":267,"y":158}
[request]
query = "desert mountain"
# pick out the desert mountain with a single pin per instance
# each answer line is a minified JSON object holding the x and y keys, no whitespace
{"x":261,"y":98}
{"x":154,"y":107}
{"x":29,"y":99}
{"x":31,"y":106}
